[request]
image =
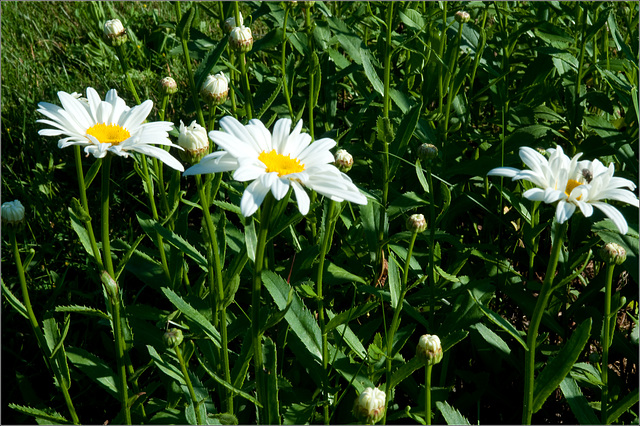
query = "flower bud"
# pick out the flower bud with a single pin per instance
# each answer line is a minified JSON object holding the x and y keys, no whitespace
{"x":462,"y":17}
{"x":427,"y":152}
{"x":416,"y":223}
{"x":195,"y":142}
{"x":111,"y":286}
{"x":12,"y":213}
{"x":114,"y":33}
{"x":230,"y":23}
{"x":215,"y":88}
{"x":173,"y":338}
{"x":429,"y":349}
{"x":169,"y":86}
{"x":343,"y":160}
{"x":369,"y":405}
{"x":613,"y":253}
{"x":241,"y":39}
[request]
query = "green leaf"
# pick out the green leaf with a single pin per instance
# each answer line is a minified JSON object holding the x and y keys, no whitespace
{"x":412,"y":18}
{"x":351,"y":314}
{"x":405,"y":371}
{"x":451,"y":415}
{"x":53,"y":338}
{"x":209,"y":61}
{"x":182,"y":30}
{"x":299,"y":318}
{"x":501,"y":322}
{"x":350,"y":338}
{"x":224,"y":383}
{"x":556,"y":370}
{"x":54,"y":418}
{"x":14,"y":301}
{"x":95,"y":368}
{"x":78,"y":227}
{"x":166,"y":367}
{"x":270,"y":358}
{"x":371,"y":73}
{"x":251,"y":238}
{"x":622,"y":406}
{"x":83,"y":310}
{"x":578,"y":403}
{"x":192,"y":314}
{"x":405,"y":132}
{"x":493,"y":339}
{"x":395,"y":286}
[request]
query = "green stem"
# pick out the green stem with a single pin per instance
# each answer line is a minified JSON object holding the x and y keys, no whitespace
{"x":605,"y":343}
{"x":122,"y":371}
{"x":64,"y":386}
{"x":577,"y":104}
{"x":287,"y":96}
{"x":267,"y":207}
{"x":192,"y":393}
{"x":532,"y":335}
{"x":248,"y":100}
{"x":427,"y":393}
{"x":125,"y":70}
{"x":217,"y":289}
{"x":85,"y":205}
{"x":106,"y":244}
{"x":396,"y":322}
{"x":432,"y":238}
{"x":324,"y":248}
{"x":450,"y":81}
{"x":311,"y":71}
{"x":441,"y":49}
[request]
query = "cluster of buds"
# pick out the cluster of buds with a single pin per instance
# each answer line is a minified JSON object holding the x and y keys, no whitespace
{"x":369,"y":405}
{"x":215,"y":88}
{"x":416,"y":223}
{"x":613,"y":253}
{"x":343,"y":160}
{"x":173,"y":338}
{"x":462,"y":17}
{"x":168,"y":86}
{"x":12,"y":213}
{"x":114,"y":33}
{"x":194,"y":141}
{"x":429,"y":349}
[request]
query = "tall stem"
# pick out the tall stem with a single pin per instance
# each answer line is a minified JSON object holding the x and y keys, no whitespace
{"x":432,"y":237}
{"x":255,"y":304}
{"x":427,"y":393}
{"x":125,"y":70}
{"x":122,"y":371}
{"x":538,"y":312}
{"x":85,"y":205}
{"x":312,"y":72}
{"x":248,"y":99}
{"x":187,"y":379}
{"x":604,"y":406}
{"x":106,"y":244}
{"x":287,"y":96}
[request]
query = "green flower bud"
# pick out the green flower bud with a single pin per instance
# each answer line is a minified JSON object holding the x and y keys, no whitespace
{"x":427,"y":152}
{"x":369,"y":405}
{"x":462,"y":16}
{"x":343,"y":160}
{"x":429,"y":349}
{"x":416,"y":223}
{"x":12,"y":213}
{"x":169,"y":86}
{"x":613,"y":253}
{"x":114,"y":33}
{"x":241,"y":39}
{"x":173,"y":338}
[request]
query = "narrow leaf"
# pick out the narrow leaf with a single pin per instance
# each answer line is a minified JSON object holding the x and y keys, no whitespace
{"x":14,"y":301}
{"x":349,"y":315}
{"x":451,"y":415}
{"x":622,"y":406}
{"x":54,"y":418}
{"x":501,"y":322}
{"x":578,"y":403}
{"x":395,"y":286}
{"x":83,"y":310}
{"x":196,"y":317}
{"x":95,"y":368}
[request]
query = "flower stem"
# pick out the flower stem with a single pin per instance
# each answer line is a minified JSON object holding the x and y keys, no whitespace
{"x":64,"y":386}
{"x":192,"y":393}
{"x":427,"y":393}
{"x":312,"y":72}
{"x":267,"y":207}
{"x":450,"y":81}
{"x":85,"y":205}
{"x":122,"y":371}
{"x":330,"y":225}
{"x":248,"y":100}
{"x":538,"y":312}
{"x":287,"y":96}
{"x":432,"y":238}
{"x":125,"y":70}
{"x":106,"y":245}
{"x":606,"y":340}
{"x":441,"y":49}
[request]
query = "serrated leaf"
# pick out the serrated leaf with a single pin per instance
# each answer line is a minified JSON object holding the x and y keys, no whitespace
{"x":14,"y":301}
{"x":557,"y":369}
{"x":210,"y":61}
{"x":224,"y":383}
{"x":501,"y":322}
{"x":52,"y":337}
{"x":451,"y":415}
{"x":299,"y":318}
{"x":83,"y":310}
{"x":81,"y":231}
{"x":371,"y":73}
{"x":578,"y":403}
{"x":54,"y":418}
{"x":182,"y":30}
{"x":350,"y":338}
{"x":166,"y":367}
{"x":405,"y":371}
{"x":269,"y":354}
{"x":95,"y":368}
{"x":335,"y":272}
{"x":349,"y":315}
{"x":192,"y":314}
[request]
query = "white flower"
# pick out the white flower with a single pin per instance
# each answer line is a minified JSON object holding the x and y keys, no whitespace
{"x":286,"y":159}
{"x":107,"y":126}
{"x":572,"y":184}
{"x":12,"y":212}
{"x":369,"y":405}
{"x":194,"y":141}
{"x":215,"y":88}
{"x":114,"y":32}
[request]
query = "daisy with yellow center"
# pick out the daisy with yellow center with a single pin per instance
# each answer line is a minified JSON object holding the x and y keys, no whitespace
{"x":572,"y":183}
{"x":276,"y":162}
{"x":107,"y":126}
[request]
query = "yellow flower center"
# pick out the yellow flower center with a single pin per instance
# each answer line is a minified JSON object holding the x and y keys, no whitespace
{"x":571,"y":185}
{"x":111,"y":133}
{"x":279,"y":163}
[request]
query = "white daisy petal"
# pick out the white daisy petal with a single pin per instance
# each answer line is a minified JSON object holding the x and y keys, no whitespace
{"x":301,"y":196}
{"x":615,"y":216}
{"x":252,"y":197}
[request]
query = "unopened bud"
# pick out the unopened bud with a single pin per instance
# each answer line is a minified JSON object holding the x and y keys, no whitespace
{"x":462,"y":16}
{"x":241,"y":39}
{"x":12,"y":213}
{"x":111,"y":286}
{"x":173,"y":338}
{"x":114,"y":32}
{"x":427,"y":152}
{"x":343,"y":160}
{"x":230,"y":23}
{"x":195,"y":142}
{"x":429,"y":349}
{"x":215,"y":88}
{"x":168,"y":85}
{"x":416,"y":223}
{"x":613,"y":253}
{"x":369,"y":406}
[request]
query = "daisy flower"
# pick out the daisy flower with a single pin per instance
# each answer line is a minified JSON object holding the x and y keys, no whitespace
{"x":286,"y":159}
{"x":572,"y":183}
{"x":107,"y":126}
